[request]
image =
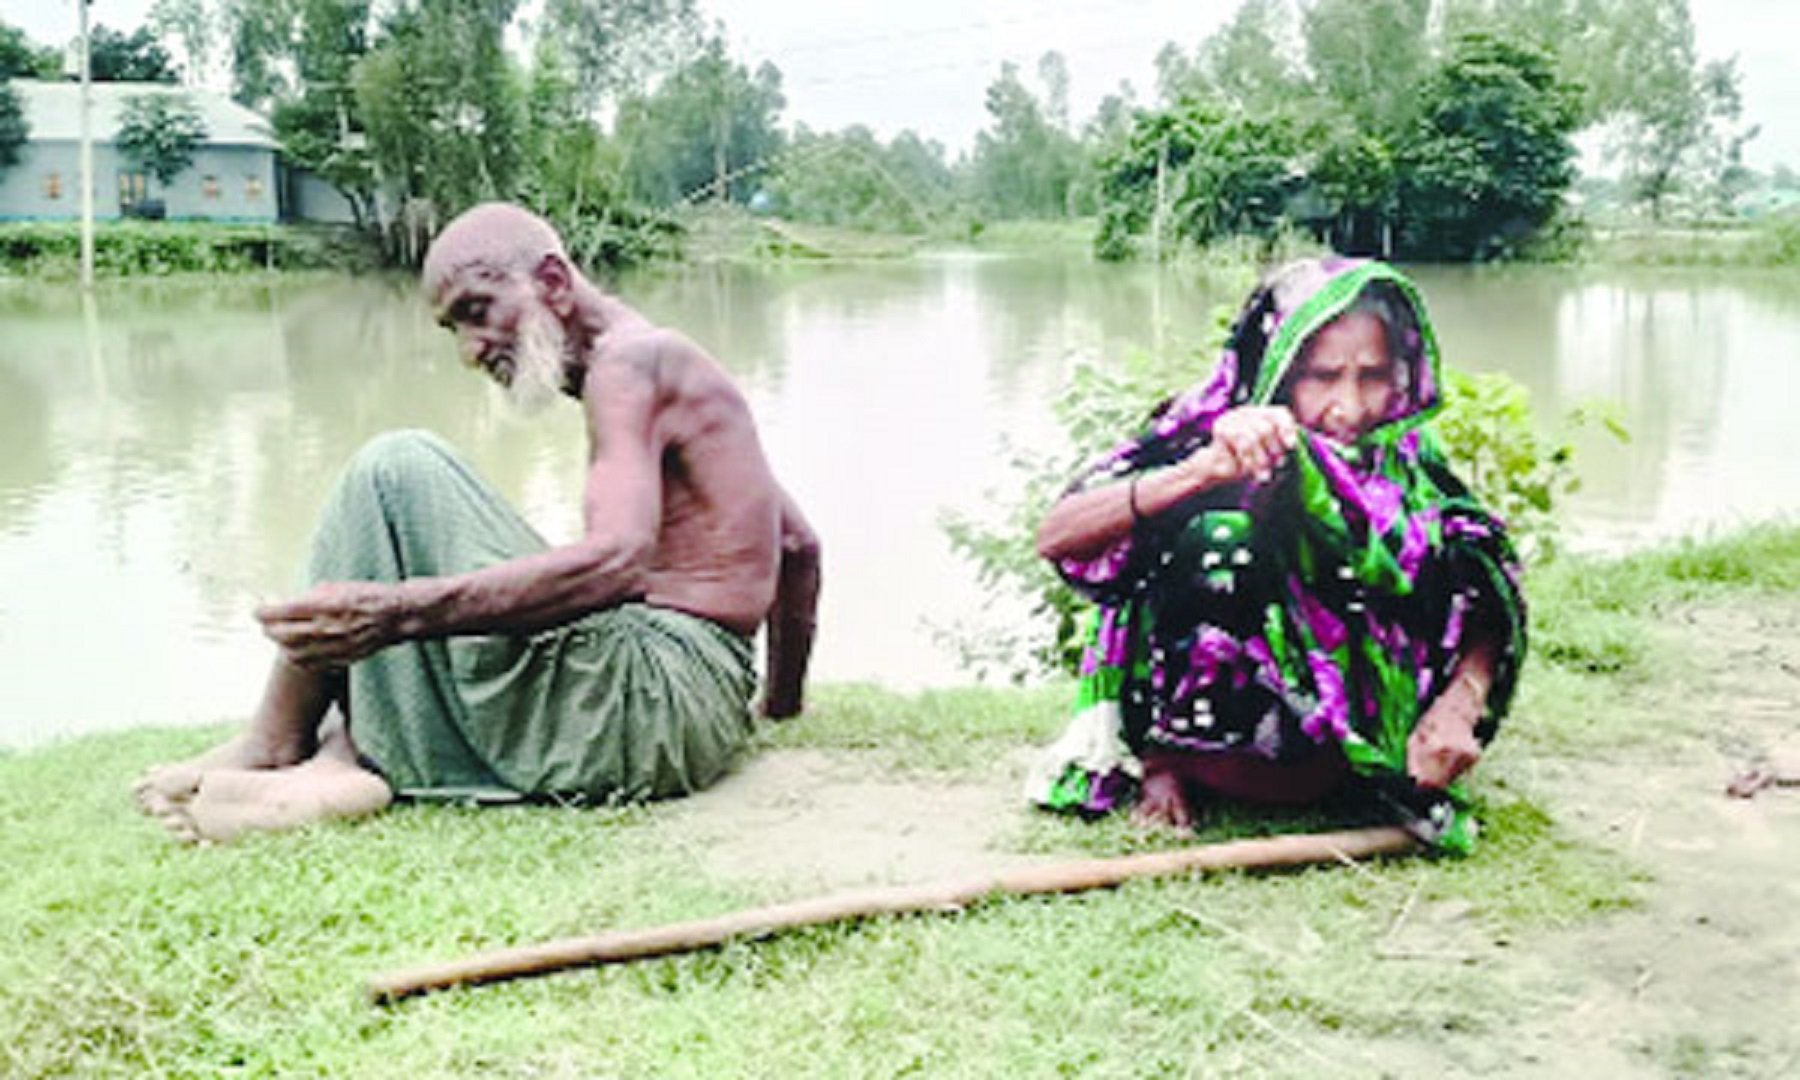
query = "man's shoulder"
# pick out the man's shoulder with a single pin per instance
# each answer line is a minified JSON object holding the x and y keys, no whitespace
{"x":681,"y":376}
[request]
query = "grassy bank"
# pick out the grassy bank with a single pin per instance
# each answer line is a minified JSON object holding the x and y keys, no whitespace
{"x":52,"y":249}
{"x":1763,"y":244}
{"x":121,"y":954}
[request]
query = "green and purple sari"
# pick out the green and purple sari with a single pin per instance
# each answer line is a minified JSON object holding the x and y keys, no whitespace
{"x":1326,"y":608}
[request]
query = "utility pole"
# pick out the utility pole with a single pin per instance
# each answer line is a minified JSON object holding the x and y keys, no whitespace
{"x":87,"y":156}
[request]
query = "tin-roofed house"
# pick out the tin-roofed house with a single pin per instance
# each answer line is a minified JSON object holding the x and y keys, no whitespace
{"x":233,"y":176}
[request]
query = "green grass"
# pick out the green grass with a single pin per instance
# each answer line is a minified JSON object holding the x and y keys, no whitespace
{"x":1771,"y":242}
{"x":123,"y":955}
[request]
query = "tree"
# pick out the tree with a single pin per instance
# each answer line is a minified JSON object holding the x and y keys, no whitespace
{"x":14,"y":128}
{"x":20,"y":58}
{"x":188,"y":25}
{"x":1687,"y":139}
{"x":1245,"y":63}
{"x":319,"y":125}
{"x":260,"y":34}
{"x":1353,"y":173}
{"x":615,"y":45}
{"x":850,"y":178}
{"x":706,"y":130}
{"x":135,"y":57}
{"x":1177,"y":76}
{"x":1024,"y":163}
{"x":1198,"y":172}
{"x":1487,"y":161}
{"x":442,"y":103}
{"x":1367,"y":57}
{"x":1240,"y":179}
{"x":159,"y":132}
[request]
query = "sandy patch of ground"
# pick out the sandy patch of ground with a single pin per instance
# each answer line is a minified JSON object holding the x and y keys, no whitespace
{"x":815,"y":820}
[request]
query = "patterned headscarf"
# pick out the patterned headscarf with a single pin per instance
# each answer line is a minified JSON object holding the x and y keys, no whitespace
{"x":1329,"y":604}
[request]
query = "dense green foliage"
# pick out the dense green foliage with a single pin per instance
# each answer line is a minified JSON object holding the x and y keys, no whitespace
{"x":14,"y":128}
{"x":442,"y":104}
{"x":135,"y":57}
{"x":52,"y":250}
{"x":319,"y":124}
{"x":1487,"y":161}
{"x":159,"y":133}
{"x":852,"y":178}
{"x":705,"y":132}
{"x":1025,"y":163}
{"x":1199,"y":173}
{"x":20,"y":58}
{"x":1464,"y":158}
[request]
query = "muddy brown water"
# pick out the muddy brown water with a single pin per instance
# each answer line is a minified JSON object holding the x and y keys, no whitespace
{"x":164,"y":450}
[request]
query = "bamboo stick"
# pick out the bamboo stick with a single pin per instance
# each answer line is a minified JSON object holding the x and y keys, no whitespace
{"x":623,"y":946}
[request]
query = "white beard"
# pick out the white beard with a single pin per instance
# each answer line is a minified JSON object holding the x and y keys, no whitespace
{"x":538,"y":357}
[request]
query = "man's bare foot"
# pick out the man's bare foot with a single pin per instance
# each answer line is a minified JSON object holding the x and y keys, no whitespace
{"x":1162,"y":802}
{"x":163,"y":786}
{"x":226,"y":803}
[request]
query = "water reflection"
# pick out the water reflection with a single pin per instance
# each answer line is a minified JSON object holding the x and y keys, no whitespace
{"x":162,"y":462}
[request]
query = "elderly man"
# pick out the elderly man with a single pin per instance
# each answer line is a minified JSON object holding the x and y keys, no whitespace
{"x":468,"y":658}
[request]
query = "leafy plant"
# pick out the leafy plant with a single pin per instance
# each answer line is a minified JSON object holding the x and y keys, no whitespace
{"x":160,"y":132}
{"x":1488,"y":430}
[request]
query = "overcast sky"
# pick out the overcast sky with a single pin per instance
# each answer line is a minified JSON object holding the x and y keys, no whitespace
{"x":924,"y":64}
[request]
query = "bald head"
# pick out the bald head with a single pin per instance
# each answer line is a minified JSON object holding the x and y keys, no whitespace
{"x":492,"y":236}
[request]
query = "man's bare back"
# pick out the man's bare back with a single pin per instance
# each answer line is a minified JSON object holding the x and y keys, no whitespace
{"x":718,"y":549}
{"x":681,"y":512}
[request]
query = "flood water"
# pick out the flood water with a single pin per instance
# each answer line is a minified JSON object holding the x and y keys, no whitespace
{"x":163,"y":451}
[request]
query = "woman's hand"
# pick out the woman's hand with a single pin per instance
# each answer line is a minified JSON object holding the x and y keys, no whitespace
{"x":1443,"y":745}
{"x":333,"y":624}
{"x":1248,"y":443}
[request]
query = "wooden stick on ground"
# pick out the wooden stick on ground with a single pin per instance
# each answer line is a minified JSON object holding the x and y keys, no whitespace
{"x":1067,"y":877}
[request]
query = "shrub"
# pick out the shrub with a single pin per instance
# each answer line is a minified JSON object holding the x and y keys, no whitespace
{"x":132,"y":248}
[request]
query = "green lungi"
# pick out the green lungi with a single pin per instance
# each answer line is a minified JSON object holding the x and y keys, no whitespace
{"x":634,"y":702}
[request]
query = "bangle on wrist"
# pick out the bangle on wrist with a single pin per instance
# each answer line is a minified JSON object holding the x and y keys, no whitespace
{"x":1131,"y":498}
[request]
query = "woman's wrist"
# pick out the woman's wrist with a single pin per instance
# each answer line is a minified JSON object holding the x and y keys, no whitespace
{"x":1477,"y":685}
{"x":1199,"y":471}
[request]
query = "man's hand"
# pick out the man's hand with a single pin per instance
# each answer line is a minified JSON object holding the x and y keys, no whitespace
{"x":334,"y":624}
{"x":1249,"y":442}
{"x":1443,"y":745}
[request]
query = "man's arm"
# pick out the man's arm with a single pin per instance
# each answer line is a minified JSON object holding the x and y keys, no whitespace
{"x":794,"y":615}
{"x":340,"y":622}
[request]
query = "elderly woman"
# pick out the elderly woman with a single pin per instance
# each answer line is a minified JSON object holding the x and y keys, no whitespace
{"x":1293,"y":587}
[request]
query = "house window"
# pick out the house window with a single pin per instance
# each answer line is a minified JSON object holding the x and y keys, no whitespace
{"x":134,"y":188}
{"x":53,"y":185}
{"x":253,"y":187}
{"x":209,"y":186}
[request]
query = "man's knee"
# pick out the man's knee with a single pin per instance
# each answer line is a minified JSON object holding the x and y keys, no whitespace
{"x":400,"y":461}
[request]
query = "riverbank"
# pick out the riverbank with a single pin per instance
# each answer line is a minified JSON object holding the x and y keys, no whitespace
{"x":1622,"y":917}
{"x":51,"y":250}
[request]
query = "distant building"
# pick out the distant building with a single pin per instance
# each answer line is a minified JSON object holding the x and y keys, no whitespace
{"x":236,"y":173}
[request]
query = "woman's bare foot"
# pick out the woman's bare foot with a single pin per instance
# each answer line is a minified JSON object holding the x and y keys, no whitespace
{"x":1162,"y":801}
{"x":226,"y":803}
